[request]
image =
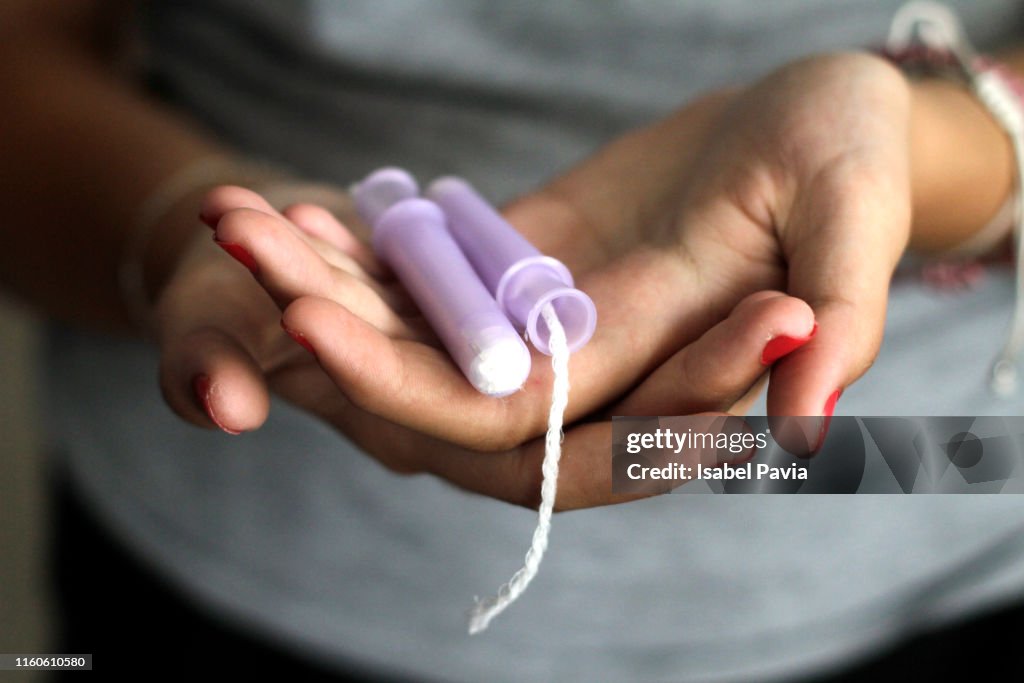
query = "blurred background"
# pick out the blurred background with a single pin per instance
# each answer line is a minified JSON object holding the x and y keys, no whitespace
{"x":24,"y":599}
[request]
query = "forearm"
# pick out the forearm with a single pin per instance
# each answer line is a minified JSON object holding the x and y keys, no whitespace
{"x":82,"y":149}
{"x":961,"y":160}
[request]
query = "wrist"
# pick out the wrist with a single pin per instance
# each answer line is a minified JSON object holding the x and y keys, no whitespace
{"x":962,"y":165}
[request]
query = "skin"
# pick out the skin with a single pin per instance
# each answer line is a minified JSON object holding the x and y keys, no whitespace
{"x":743,"y":216}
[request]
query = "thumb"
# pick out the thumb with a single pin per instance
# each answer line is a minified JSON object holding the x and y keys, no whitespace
{"x":212,"y":322}
{"x":847,"y":235}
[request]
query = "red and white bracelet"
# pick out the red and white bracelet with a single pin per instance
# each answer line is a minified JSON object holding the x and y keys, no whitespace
{"x":928,"y":37}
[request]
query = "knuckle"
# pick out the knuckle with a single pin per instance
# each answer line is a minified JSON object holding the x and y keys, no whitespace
{"x":241,"y":223}
{"x":300,"y":310}
{"x":225,"y":195}
{"x":304,"y":213}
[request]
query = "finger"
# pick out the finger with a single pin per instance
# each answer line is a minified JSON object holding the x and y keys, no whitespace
{"x":346,"y":252}
{"x":581,"y":484}
{"x":209,"y":378}
{"x":516,"y":475}
{"x":318,"y":223}
{"x":322,"y":224}
{"x":409,"y":383}
{"x":513,"y":475}
{"x":224,"y":198}
{"x":845,"y":245}
{"x":717,"y":369}
{"x":502,"y":475}
{"x":288,"y":268}
{"x":211,"y":327}
{"x":208,"y":372}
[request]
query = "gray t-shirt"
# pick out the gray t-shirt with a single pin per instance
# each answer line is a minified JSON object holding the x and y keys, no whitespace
{"x":294,"y":532}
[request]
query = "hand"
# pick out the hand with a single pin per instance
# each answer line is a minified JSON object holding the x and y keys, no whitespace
{"x":217,"y":322}
{"x":219,"y":333}
{"x":631,"y":223}
{"x":800,"y":182}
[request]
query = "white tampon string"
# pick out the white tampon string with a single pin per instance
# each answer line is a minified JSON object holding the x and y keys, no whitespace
{"x":485,"y":610}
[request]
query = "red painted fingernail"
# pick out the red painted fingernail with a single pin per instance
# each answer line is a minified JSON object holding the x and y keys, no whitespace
{"x":299,"y":337}
{"x":782,"y":345}
{"x":201,"y":387}
{"x":826,"y":413}
{"x":208,"y":221}
{"x":238,"y":252}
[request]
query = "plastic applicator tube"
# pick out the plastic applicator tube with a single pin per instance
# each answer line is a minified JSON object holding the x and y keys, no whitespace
{"x":521,"y":278}
{"x":410,"y":234}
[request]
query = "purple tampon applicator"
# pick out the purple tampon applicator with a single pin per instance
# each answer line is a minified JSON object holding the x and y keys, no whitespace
{"x":427,"y":244}
{"x":411,"y":236}
{"x":538,"y":295}
{"x":522,"y":279}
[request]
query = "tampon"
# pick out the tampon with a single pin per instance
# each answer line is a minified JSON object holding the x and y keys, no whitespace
{"x":521,"y":278}
{"x":411,"y":236}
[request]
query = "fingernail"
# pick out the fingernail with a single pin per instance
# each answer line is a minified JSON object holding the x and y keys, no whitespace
{"x":299,"y":337}
{"x":208,"y":221}
{"x":201,"y":387}
{"x":782,"y":345}
{"x":826,"y":414}
{"x":238,"y":252}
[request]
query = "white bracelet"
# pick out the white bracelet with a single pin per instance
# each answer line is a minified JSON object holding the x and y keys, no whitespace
{"x":937,"y":29}
{"x":986,"y":239}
